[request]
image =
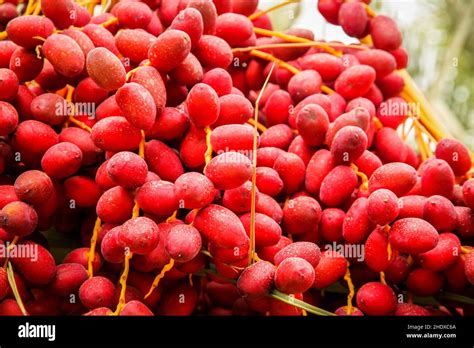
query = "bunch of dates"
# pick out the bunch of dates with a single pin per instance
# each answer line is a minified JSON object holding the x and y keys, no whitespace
{"x":147,"y":132}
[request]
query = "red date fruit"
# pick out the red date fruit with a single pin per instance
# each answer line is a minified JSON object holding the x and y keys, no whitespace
{"x":413,"y":236}
{"x":376,"y":299}
{"x":256,"y":280}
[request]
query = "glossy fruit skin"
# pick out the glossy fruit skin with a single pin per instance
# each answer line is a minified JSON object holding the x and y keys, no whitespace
{"x":57,"y":47}
{"x":392,"y":112}
{"x":348,"y":144}
{"x":213,"y":52}
{"x":410,"y":309}
{"x":80,"y":256}
{"x":22,"y":30}
{"x":382,"y":61}
{"x":178,"y":301}
{"x":134,"y":44}
{"x":233,"y":28}
{"x":62,"y":160}
{"x":134,"y":15}
{"x":320,"y":164}
{"x":353,"y":19}
{"x":411,"y":206}
{"x":267,"y":231}
{"x":305,"y":250}
{"x":344,"y":179}
{"x":18,"y":218}
{"x":111,"y":248}
{"x":304,"y":84}
{"x":233,"y":137}
{"x":455,"y":154}
{"x":105,"y":69}
{"x":7,"y":195}
{"x":355,"y":81}
{"x":49,"y":108}
{"x":367,"y":163}
{"x":385,"y":33}
{"x":25,"y":64}
{"x":376,"y":299}
{"x":294,"y":275}
{"x":270,"y":207}
{"x":277,"y":136}
{"x":137,"y":105}
{"x":239,"y":199}
{"x":291,"y":169}
{"x":358,"y":116}
{"x":127,"y":169}
{"x":383,"y":206}
{"x":228,"y":170}
{"x":183,"y":243}
{"x":81,"y":138}
{"x":256,"y":280}
{"x":468,"y":193}
{"x":190,"y":21}
{"x":115,"y":134}
{"x":444,"y":255}
{"x":150,"y":78}
{"x":8,"y":118}
{"x":69,"y":277}
{"x":220,"y":80}
{"x":268,"y":181}
{"x":397,"y":177}
{"x":97,"y":292}
{"x":376,"y":253}
{"x":115,"y":205}
{"x":38,"y":269}
{"x":163,"y":161}
{"x":301,"y":214}
{"x":140,"y":234}
{"x":389,"y":145}
{"x":357,"y":224}
{"x":437,"y":179}
{"x":81,"y":39}
{"x":169,"y":50}
{"x":32,"y":139}
{"x":220,"y":226}
{"x":424,"y":282}
{"x":194,"y":190}
{"x":413,"y":236}
{"x":440,"y":212}
{"x":34,"y":187}
{"x":330,"y":269}
{"x":82,"y":191}
{"x":8,"y":85}
{"x":330,"y":225}
{"x":312,"y":123}
{"x":203,"y":105}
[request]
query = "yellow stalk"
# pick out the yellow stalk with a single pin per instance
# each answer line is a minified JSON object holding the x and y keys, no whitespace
{"x":208,"y":153}
{"x":350,"y":285}
{"x":260,"y":126}
{"x":295,"y":39}
{"x":254,"y":169}
{"x":80,"y":124}
{"x":270,"y":9}
{"x":91,"y":256}
{"x":123,"y":282}
{"x":160,"y":276}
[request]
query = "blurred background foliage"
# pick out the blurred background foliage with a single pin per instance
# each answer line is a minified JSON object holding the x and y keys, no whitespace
{"x":439,"y":36}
